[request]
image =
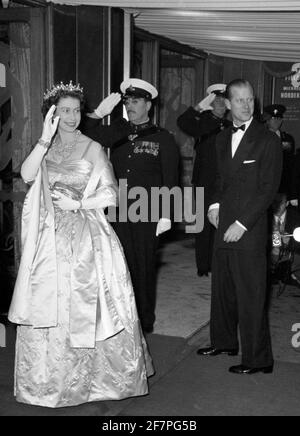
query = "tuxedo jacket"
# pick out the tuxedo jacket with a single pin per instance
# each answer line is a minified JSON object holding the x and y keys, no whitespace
{"x":247,"y":184}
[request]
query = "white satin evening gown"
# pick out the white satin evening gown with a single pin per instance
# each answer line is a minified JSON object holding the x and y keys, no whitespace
{"x":49,"y":370}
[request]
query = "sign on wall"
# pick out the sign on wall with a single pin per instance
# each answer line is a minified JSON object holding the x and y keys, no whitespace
{"x":289,"y":96}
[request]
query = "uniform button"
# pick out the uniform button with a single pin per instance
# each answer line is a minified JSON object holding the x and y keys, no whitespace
{"x":129,"y":156}
{"x":128,"y":171}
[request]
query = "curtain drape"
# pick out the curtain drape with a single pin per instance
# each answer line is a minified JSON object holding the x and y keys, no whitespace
{"x":219,"y":5}
{"x":177,"y":92}
{"x":246,"y":29}
{"x":270,"y":36}
{"x":21,"y":114}
{"x":276,"y":69}
{"x":5,"y":126}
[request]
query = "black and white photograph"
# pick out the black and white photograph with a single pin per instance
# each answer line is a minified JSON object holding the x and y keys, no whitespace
{"x":149,"y":210}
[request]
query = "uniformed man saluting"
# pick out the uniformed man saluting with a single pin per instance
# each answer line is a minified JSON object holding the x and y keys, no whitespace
{"x":146,"y":156}
{"x":204,"y":122}
{"x":273,"y":116}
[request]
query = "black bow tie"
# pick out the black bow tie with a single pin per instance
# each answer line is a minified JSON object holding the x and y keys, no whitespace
{"x":235,"y":129}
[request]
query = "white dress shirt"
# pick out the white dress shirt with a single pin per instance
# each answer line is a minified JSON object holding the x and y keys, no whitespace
{"x":238,"y":136}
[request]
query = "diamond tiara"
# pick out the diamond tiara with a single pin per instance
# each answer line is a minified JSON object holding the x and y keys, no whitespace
{"x":61,"y":87}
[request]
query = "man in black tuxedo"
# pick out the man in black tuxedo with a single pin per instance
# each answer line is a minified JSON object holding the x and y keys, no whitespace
{"x":204,"y":122}
{"x":249,"y":169}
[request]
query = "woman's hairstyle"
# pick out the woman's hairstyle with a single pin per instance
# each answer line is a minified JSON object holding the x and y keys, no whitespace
{"x":59,"y":91}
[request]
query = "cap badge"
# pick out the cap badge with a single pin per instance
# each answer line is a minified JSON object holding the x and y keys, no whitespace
{"x":132,"y":137}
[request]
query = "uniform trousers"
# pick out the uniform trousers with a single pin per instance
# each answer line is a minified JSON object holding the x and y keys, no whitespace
{"x":204,"y":241}
{"x":140,"y":245}
{"x":239,"y":299}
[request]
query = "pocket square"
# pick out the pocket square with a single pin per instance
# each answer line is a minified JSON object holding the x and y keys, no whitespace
{"x":249,"y":161}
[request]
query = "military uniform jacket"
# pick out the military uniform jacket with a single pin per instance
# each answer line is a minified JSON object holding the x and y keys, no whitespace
{"x":204,"y":127}
{"x":287,"y":164}
{"x":295,"y":194}
{"x":145,"y":155}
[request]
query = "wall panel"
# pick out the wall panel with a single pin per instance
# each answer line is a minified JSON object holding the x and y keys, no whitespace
{"x":88,"y":48}
{"x":64,"y":43}
{"x":91,"y":52}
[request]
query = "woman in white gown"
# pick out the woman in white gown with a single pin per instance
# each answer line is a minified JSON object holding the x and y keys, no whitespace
{"x":79,"y":336}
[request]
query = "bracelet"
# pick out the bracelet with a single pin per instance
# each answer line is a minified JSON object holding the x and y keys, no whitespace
{"x":80,"y":206}
{"x":43,"y":143}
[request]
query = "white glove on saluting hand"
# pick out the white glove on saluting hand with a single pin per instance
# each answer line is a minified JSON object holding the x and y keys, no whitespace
{"x":205,"y":104}
{"x":107,"y":105}
{"x":163,"y":225}
{"x":50,"y":125}
{"x":294,"y":203}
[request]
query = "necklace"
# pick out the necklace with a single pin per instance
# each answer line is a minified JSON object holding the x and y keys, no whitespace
{"x":63,"y":150}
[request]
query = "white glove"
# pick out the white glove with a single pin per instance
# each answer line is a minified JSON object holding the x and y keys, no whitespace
{"x":294,"y":203}
{"x":163,"y":225}
{"x":205,"y":104}
{"x":50,"y":125}
{"x":107,"y":105}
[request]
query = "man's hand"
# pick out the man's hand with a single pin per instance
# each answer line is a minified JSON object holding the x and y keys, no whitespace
{"x":205,"y":104}
{"x":213,"y":217}
{"x":234,"y":233}
{"x":107,"y":105}
{"x":163,"y":225}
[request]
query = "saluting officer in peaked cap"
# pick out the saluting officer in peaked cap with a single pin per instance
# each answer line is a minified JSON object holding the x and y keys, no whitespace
{"x":217,"y":88}
{"x":203,"y":122}
{"x":146,"y":156}
{"x":138,"y":88}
